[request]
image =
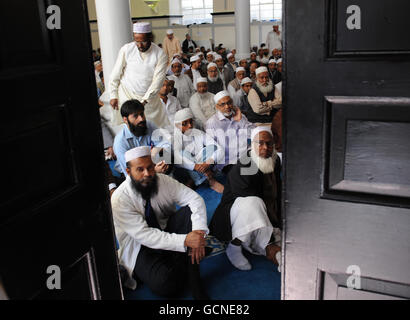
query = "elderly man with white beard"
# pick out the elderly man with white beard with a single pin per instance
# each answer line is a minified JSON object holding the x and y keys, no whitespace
{"x":249,"y":213}
{"x":183,"y":83}
{"x":202,"y":103}
{"x":215,"y":83}
{"x":263,"y":98}
{"x":235,"y":84}
{"x":222,"y":69}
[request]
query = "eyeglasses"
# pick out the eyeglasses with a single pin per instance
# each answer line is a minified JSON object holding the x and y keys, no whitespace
{"x":269,"y":144}
{"x":229,"y":103}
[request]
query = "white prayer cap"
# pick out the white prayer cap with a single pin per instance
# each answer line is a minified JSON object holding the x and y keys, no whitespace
{"x":176,"y":54}
{"x":239,"y":69}
{"x":138,"y":152}
{"x":246,"y":80}
{"x":170,"y":31}
{"x":175,"y":61}
{"x":253,"y":52}
{"x":260,"y":70}
{"x":218,"y":56}
{"x":183,"y":115}
{"x":200,"y":53}
{"x":230,"y":54}
{"x":260,"y":129}
{"x":220,"y":95}
{"x":210,"y":65}
{"x":210,"y":53}
{"x":194,"y":58}
{"x":96,"y":63}
{"x":272,"y":61}
{"x":142,"y":27}
{"x":201,"y":79}
{"x":279,"y":60}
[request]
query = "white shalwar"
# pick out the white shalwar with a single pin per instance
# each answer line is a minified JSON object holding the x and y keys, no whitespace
{"x":251,"y":225}
{"x":139,"y":75}
{"x":185,"y":88}
{"x":132,"y":230}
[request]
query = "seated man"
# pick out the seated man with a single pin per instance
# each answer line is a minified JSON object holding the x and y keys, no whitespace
{"x":235,"y":84}
{"x":250,"y":205}
{"x":202,"y":103}
{"x":231,"y":67}
{"x":182,"y":83}
{"x":229,"y":128}
{"x":263,"y":98}
{"x":195,"y":151}
{"x":136,"y":132}
{"x":240,"y":98}
{"x":215,"y":83}
{"x":170,"y":104}
{"x":159,"y":245}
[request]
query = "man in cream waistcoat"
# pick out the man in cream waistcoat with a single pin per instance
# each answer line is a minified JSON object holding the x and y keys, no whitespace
{"x":139,"y":73}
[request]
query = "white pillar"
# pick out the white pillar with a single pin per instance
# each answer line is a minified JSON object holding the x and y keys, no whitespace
{"x":114,"y":30}
{"x":242,"y":28}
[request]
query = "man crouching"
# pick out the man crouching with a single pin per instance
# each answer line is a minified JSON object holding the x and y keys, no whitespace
{"x":250,"y":204}
{"x":160,"y":246}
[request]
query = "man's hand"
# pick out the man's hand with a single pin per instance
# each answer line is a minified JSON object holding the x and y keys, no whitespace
{"x":161,"y":167}
{"x":196,"y":241}
{"x":238,"y":114}
{"x":109,"y":153}
{"x":197,"y":255}
{"x":114,"y":104}
{"x":202,"y":168}
{"x":100,"y":103}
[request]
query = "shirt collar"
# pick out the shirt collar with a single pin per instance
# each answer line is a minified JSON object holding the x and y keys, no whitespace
{"x":220,"y":116}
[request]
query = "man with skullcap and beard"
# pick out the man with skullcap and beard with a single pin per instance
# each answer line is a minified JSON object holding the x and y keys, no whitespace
{"x":158,"y":244}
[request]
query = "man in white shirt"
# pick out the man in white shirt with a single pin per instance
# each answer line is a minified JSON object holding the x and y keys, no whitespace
{"x":202,"y":103}
{"x":195,"y":68}
{"x":240,"y":98}
{"x":139,"y":73}
{"x":183,"y":83}
{"x":195,"y":151}
{"x":235,"y":84}
{"x":274,"y":39}
{"x":159,"y":245}
{"x":170,"y":104}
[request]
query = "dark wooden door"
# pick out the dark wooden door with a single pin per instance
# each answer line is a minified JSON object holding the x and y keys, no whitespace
{"x":55,"y":217}
{"x":347,"y":149}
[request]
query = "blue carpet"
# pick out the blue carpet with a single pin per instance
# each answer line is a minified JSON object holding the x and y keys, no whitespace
{"x":221,"y":279}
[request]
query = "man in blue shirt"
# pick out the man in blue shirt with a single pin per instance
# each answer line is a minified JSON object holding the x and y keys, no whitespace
{"x":137,"y":132}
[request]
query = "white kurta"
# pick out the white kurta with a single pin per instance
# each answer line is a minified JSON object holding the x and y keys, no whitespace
{"x":139,"y":75}
{"x":131,"y":228}
{"x":185,"y":89}
{"x":195,"y":75}
{"x":171,"y":107}
{"x":203,"y":108}
{"x":274,"y":41}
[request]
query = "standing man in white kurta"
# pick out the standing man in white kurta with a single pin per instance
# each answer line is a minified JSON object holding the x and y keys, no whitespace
{"x":158,"y":244}
{"x":274,"y":39}
{"x":139,"y":73}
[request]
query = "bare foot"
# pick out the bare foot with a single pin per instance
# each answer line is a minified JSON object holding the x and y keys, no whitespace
{"x":271,"y":251}
{"x":216,"y":186}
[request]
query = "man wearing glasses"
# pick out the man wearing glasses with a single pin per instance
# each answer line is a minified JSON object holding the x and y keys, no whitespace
{"x":230,"y":128}
{"x":138,"y":74}
{"x":249,"y":213}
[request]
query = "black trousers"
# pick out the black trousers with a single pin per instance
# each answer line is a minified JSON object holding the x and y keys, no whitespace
{"x":165,"y":272}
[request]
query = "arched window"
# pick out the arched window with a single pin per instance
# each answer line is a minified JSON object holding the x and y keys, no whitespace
{"x":197,"y":11}
{"x":266,"y":10}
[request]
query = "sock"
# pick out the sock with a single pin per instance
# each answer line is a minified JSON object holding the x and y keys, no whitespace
{"x":237,"y":258}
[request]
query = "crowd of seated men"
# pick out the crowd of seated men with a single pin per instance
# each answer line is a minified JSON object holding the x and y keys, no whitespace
{"x":192,"y":119}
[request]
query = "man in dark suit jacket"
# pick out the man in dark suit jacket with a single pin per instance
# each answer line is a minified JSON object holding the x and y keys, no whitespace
{"x":249,"y":213}
{"x":188,"y":42}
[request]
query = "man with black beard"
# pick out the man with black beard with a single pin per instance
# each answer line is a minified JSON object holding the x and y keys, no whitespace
{"x":158,"y":245}
{"x":263,"y":98}
{"x":249,"y":213}
{"x":215,"y":83}
{"x":136,"y":132}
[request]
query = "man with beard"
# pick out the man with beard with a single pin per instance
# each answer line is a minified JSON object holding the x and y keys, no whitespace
{"x":249,"y":213}
{"x":195,"y":68}
{"x":223,"y":71}
{"x":202,"y":103}
{"x":272,"y":68}
{"x":278,"y":75}
{"x":215,"y":83}
{"x":183,"y":84}
{"x":158,"y":245}
{"x":195,"y":151}
{"x":244,"y":64}
{"x":235,"y":84}
{"x":240,"y":99}
{"x":170,"y":104}
{"x":139,"y":73}
{"x":171,"y":45}
{"x":230,"y":128}
{"x":263,"y":98}
{"x":274,"y":38}
{"x":136,"y":132}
